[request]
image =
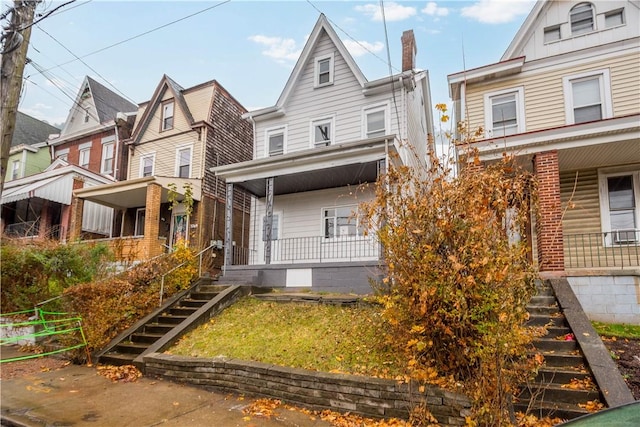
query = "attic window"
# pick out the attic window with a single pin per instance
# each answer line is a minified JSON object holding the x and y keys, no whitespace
{"x":167,"y":116}
{"x":323,"y":71}
{"x":581,"y":17}
{"x":86,"y":116}
{"x":552,"y":33}
{"x":614,"y":18}
{"x":85,"y":93}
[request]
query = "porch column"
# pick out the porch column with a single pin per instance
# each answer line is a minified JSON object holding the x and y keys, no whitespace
{"x":228,"y":227}
{"x":268,"y":219}
{"x":152,"y":220}
{"x":45,"y":220}
{"x":77,"y":208}
{"x":549,"y":237}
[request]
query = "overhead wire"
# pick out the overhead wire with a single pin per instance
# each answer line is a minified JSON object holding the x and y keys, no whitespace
{"x":393,"y":91}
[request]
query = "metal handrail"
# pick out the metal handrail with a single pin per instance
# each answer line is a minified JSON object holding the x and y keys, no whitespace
{"x":199,"y":254}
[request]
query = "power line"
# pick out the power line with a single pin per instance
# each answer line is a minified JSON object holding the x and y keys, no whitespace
{"x":142,"y":34}
{"x":46,"y":15}
{"x":393,"y":91}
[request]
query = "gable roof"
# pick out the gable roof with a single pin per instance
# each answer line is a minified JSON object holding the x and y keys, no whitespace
{"x":107,"y":102}
{"x":29,"y":130}
{"x":322,"y":24}
{"x":526,"y":30}
{"x":166,"y":83}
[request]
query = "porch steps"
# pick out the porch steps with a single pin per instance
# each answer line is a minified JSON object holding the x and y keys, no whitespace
{"x":564,"y":382}
{"x":137,"y":341}
{"x":241,"y":277}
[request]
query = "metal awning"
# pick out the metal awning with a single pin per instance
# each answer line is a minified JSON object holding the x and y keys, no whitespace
{"x":48,"y":189}
{"x":133,"y":193}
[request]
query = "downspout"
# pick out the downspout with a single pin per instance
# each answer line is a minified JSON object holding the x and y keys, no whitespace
{"x":117,"y":151}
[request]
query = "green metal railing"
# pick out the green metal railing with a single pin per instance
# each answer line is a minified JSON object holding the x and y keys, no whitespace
{"x":39,"y":325}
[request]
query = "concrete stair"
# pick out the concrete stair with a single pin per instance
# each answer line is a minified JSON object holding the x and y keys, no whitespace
{"x":553,"y":391}
{"x":240,"y":277}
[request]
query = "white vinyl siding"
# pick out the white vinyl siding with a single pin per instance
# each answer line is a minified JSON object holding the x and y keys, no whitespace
{"x":343,"y":99}
{"x":97,"y":218}
{"x":165,"y":155}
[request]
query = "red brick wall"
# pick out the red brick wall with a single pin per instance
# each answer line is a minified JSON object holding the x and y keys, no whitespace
{"x":549,"y":221}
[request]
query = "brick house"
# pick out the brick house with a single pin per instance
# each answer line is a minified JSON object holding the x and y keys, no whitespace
{"x":565,"y":98}
{"x":179,"y":134}
{"x":331,"y":133}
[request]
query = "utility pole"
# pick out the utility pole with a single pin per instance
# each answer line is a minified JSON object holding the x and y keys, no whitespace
{"x":15,"y":42}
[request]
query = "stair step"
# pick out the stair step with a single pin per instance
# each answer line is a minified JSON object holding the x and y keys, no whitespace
{"x":144,"y":337}
{"x":543,"y":309}
{"x":117,"y":359}
{"x":551,"y":409}
{"x":557,"y":394}
{"x":564,"y":375}
{"x":557,"y":331}
{"x":541,"y":320}
{"x":215,"y":288}
{"x":206,"y":296}
{"x":158,"y":328}
{"x":547,"y":344}
{"x":558,"y":360}
{"x":189,"y":302}
{"x":544,"y":291}
{"x":131,"y":347}
{"x":170,"y":319}
{"x":182,"y":311}
{"x":543,"y":300}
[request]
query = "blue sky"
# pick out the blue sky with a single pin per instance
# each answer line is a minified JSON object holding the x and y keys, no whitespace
{"x":250,"y":47}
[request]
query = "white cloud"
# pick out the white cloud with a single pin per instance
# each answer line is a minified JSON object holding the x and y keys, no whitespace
{"x":392,"y":11}
{"x":360,"y":48}
{"x":432,"y":9}
{"x":497,"y":11}
{"x":278,"y":48}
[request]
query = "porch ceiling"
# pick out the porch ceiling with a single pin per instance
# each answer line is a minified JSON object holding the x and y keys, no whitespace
{"x":133,"y":193}
{"x":601,"y":155}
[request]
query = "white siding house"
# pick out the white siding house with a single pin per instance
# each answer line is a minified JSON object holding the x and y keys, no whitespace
{"x":317,"y":152}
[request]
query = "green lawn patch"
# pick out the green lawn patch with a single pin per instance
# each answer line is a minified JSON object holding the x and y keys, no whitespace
{"x":309,"y":336}
{"x":619,"y":330}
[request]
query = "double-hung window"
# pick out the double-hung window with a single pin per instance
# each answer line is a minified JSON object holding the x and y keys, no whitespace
{"x":376,"y":121}
{"x":108,"y":146}
{"x":620,"y":205}
{"x":322,"y":131}
{"x":275,"y":140}
{"x":341,"y":221}
{"x":63,"y":154}
{"x":83,"y":159}
{"x":504,"y":112}
{"x":183,"y":162}
{"x":588,"y":97}
{"x":139,"y":226}
{"x":15,"y":169}
{"x":146,"y":164}
{"x":167,"y":115}
{"x":581,"y":17}
{"x":323,"y":72}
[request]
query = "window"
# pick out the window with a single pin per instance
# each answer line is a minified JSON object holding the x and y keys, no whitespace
{"x":183,"y":162}
{"x":139,"y":229}
{"x":84,"y":157}
{"x":63,"y":154}
{"x":275,"y":141}
{"x":581,"y":17}
{"x":146,"y":165}
{"x":15,"y":169}
{"x":322,"y":131}
{"x":614,"y":18}
{"x":275,"y":227}
{"x":107,"y":156}
{"x":86,"y":116}
{"x":341,"y":222}
{"x":552,"y":33}
{"x":588,"y":97}
{"x":619,"y":206}
{"x":167,"y":116}
{"x":323,"y":75}
{"x":504,"y":112}
{"x":376,"y":121}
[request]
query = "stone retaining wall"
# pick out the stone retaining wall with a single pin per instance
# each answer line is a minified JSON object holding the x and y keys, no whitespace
{"x":372,"y":397}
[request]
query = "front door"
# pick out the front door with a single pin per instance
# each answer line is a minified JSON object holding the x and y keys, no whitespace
{"x":179,"y":226}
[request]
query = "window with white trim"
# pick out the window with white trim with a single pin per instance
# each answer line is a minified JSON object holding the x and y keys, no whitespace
{"x":323,"y":71}
{"x":140,"y":217}
{"x":504,"y":112}
{"x":63,"y":154}
{"x":620,"y":205}
{"x":376,"y":121}
{"x":322,"y":131}
{"x":614,"y":18}
{"x":167,"y":116}
{"x":581,"y":18}
{"x":146,"y":164}
{"x":15,"y":169}
{"x":275,"y":140}
{"x":83,"y":158}
{"x":275,"y":227}
{"x":107,"y":157}
{"x":552,"y":34}
{"x":588,"y":97}
{"x":342,"y":221}
{"x":183,"y":162}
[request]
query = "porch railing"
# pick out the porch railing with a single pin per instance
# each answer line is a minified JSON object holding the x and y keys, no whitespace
{"x":22,"y":229}
{"x":613,"y":249}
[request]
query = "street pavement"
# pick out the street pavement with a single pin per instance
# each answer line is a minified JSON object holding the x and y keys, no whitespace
{"x":78,"y":396}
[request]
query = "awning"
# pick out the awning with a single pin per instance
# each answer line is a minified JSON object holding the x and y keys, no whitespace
{"x":52,"y":189}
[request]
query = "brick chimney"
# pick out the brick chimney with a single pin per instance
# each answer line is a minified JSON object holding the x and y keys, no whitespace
{"x":409,"y":50}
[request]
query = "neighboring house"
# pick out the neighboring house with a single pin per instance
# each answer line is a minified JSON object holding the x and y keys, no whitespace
{"x":565,"y":99}
{"x":92,"y":135}
{"x":39,"y":205}
{"x":178,"y":136}
{"x":316,"y":154}
{"x":29,"y":153}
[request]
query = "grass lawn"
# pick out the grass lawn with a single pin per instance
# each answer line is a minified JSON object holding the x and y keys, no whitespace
{"x":310,"y":336}
{"x":619,"y":330}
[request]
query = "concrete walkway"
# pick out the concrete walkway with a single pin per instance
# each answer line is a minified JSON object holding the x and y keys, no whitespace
{"x":78,"y":396}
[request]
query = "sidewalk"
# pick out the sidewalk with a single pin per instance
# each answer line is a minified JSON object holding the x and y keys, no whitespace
{"x":78,"y":396}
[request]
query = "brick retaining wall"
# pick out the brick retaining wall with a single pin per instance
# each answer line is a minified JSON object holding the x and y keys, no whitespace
{"x":372,"y":397}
